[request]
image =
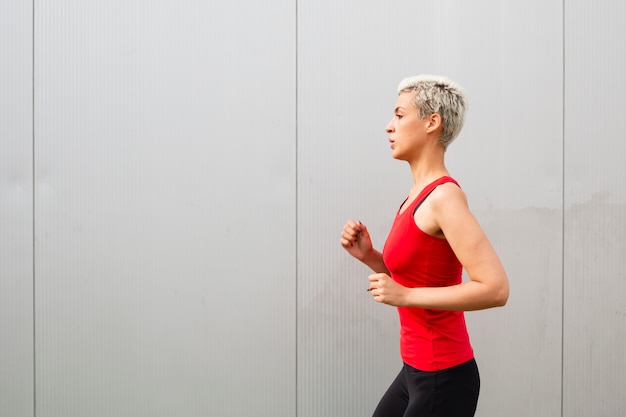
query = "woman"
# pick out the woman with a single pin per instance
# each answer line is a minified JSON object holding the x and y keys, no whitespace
{"x":433,"y":237}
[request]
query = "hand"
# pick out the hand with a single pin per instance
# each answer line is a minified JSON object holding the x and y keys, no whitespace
{"x":356,"y":240}
{"x":386,"y":290}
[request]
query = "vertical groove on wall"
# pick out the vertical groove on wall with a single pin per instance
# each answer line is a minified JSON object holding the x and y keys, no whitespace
{"x":296,"y":205}
{"x":33,"y":211}
{"x":563,"y":205}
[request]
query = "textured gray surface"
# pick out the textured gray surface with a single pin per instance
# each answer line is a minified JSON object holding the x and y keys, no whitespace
{"x":194,"y":163}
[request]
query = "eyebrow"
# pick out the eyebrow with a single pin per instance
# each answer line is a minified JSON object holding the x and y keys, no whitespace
{"x":398,"y":108}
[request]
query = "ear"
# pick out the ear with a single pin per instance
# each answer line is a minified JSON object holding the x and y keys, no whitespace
{"x":433,"y":123}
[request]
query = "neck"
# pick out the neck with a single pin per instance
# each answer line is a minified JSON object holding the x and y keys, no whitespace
{"x":428,"y":166}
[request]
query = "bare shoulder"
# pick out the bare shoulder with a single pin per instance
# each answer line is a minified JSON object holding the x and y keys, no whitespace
{"x":448,"y":196}
{"x":444,"y":210}
{"x":452,"y":214}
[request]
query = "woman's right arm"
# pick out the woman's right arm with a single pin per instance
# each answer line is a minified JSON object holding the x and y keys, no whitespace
{"x":357,"y":241}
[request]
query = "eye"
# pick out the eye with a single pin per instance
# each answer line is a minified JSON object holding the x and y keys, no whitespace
{"x":399,"y":116}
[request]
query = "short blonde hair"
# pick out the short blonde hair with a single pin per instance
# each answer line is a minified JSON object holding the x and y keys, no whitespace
{"x":438,"y":94}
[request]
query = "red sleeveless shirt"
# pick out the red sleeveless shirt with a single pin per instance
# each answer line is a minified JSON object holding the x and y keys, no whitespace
{"x":430,"y":340}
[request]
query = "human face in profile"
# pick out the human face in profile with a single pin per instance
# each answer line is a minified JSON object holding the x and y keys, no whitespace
{"x":407,"y":131}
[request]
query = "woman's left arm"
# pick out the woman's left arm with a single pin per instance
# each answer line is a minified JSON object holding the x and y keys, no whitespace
{"x":488,"y":285}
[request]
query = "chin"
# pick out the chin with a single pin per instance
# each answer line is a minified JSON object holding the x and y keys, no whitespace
{"x":398,"y":156}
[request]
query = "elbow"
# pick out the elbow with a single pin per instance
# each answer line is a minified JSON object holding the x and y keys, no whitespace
{"x":496,"y":294}
{"x":501,"y":296}
{"x":501,"y":300}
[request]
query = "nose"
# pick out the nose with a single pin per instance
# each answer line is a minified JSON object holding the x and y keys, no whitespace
{"x":389,"y":128}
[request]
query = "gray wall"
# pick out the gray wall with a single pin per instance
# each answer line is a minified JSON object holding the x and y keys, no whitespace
{"x":174,"y":177}
{"x":16,"y":210}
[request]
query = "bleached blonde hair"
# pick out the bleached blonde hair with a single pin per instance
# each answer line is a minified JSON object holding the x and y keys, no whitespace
{"x":438,"y":94}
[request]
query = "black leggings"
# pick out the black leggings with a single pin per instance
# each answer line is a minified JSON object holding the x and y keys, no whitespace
{"x":451,"y":392}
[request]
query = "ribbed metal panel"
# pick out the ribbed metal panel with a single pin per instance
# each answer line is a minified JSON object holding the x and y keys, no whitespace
{"x":347,"y":345}
{"x":16,"y":209}
{"x":595,"y":210}
{"x":351,"y":57}
{"x":165,"y":208}
{"x":510,"y":161}
{"x":180,"y":269}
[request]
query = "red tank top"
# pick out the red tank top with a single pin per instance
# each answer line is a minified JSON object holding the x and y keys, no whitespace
{"x":430,"y":340}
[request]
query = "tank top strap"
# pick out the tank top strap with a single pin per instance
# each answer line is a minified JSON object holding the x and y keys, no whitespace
{"x":429,"y":189}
